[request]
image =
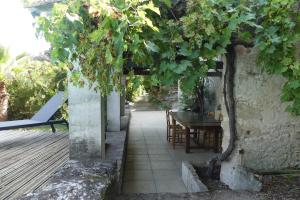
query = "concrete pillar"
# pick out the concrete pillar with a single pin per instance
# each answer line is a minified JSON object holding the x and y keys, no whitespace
{"x":123,"y":95}
{"x":86,"y":123}
{"x":113,"y":111}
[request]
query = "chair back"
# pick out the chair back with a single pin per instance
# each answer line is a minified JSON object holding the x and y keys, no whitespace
{"x":50,"y":108}
{"x":168,"y":116}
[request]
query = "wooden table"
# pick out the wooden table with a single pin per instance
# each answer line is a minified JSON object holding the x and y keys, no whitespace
{"x":192,"y":120}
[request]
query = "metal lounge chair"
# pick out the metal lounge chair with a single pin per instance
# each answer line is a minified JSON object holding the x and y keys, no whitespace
{"x":43,"y":117}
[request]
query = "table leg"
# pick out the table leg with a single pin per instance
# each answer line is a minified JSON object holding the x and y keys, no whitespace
{"x":187,"y":140}
{"x":216,"y":148}
{"x":173,"y":132}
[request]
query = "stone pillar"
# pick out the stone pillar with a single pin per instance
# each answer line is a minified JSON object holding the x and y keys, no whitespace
{"x":86,"y":123}
{"x":123,"y":95}
{"x":113,"y":111}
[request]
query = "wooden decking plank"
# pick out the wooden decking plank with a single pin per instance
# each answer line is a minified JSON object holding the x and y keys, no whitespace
{"x":15,"y":156}
{"x":19,"y":186}
{"x":21,"y":144}
{"x":38,"y":181}
{"x":15,"y":137}
{"x":14,"y":152}
{"x":12,"y":133}
{"x":27,"y":159}
{"x":15,"y":173}
{"x":27,"y":141}
{"x":14,"y":179}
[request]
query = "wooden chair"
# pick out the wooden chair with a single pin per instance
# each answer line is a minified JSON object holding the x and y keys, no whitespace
{"x":175,"y":132}
{"x":208,"y":140}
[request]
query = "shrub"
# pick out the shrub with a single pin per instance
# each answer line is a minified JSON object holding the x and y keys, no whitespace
{"x":134,"y":87}
{"x":30,"y":84}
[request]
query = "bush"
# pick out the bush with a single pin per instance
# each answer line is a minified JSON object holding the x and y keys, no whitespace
{"x":134,"y":87}
{"x":30,"y":84}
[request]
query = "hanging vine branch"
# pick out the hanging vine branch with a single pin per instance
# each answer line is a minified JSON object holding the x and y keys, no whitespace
{"x":228,"y":94}
{"x":228,"y":91}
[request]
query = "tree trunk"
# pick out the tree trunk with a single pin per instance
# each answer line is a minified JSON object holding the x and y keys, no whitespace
{"x":3,"y":102}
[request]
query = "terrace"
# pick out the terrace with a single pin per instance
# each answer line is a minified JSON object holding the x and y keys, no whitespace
{"x":200,"y":58}
{"x":28,"y":158}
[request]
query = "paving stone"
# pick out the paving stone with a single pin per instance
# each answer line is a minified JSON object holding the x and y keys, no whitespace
{"x":162,"y":174}
{"x":139,"y":187}
{"x":167,"y":165}
{"x":139,"y":175}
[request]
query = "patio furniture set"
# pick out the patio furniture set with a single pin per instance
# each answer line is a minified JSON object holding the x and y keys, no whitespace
{"x":183,"y":126}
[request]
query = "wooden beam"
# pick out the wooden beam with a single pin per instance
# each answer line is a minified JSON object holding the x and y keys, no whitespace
{"x":144,"y":71}
{"x":137,"y":71}
{"x":219,"y":65}
{"x":214,"y":74}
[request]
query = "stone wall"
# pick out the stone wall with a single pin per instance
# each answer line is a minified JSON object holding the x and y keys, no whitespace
{"x":268,"y":138}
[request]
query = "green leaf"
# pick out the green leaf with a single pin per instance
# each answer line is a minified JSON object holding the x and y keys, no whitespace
{"x":108,"y":56}
{"x":167,"y":2}
{"x":294,"y":84}
{"x":98,"y":35}
{"x":151,"y":46}
{"x":152,"y":7}
{"x":209,"y":29}
{"x":184,"y":64}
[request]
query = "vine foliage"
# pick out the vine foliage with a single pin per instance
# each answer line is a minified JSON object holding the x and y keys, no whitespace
{"x":175,"y":39}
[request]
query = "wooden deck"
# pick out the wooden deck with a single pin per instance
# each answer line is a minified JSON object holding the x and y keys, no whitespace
{"x":28,"y":159}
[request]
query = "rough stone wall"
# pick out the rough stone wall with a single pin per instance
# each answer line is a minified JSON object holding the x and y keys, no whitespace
{"x":268,"y":136}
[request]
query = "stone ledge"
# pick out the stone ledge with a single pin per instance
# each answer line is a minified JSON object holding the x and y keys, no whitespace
{"x":190,"y":178}
{"x":78,"y":180}
{"x":90,"y":178}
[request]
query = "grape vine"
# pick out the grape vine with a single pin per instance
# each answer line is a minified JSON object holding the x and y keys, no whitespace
{"x":175,"y":39}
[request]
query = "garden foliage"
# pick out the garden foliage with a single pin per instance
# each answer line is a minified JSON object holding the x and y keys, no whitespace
{"x":30,"y":84}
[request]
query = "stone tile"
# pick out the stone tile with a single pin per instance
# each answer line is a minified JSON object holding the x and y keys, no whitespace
{"x":167,"y":165}
{"x":136,"y":137}
{"x":160,"y":174}
{"x":136,"y":141}
{"x":137,"y":166}
{"x":153,"y":141}
{"x":139,"y":175}
{"x":160,"y":157}
{"x":137,"y":161}
{"x":137,"y":157}
{"x":140,"y":145}
{"x":137,"y":151}
{"x":172,"y":186}
{"x":139,"y":187}
{"x":157,"y":146}
{"x":148,"y":134}
{"x":157,"y":151}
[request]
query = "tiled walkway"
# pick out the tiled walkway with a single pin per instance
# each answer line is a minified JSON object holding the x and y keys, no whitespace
{"x":152,"y":165}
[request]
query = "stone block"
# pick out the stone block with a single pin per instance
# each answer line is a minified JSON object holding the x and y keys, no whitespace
{"x":190,"y":178}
